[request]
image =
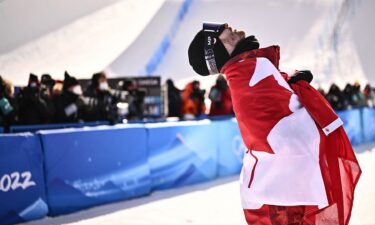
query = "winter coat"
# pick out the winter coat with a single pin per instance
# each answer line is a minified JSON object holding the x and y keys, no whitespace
{"x":33,"y":108}
{"x":221,"y":102}
{"x":336,"y":98}
{"x":193,"y":101}
{"x":174,"y":102}
{"x":69,"y":108}
{"x":101,"y":105}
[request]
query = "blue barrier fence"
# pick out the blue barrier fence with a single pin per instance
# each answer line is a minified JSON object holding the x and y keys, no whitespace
{"x":22,"y":189}
{"x":368,"y":122}
{"x":353,"y":125}
{"x":182,"y":153}
{"x":85,"y":167}
{"x":231,"y":147}
{"x":92,"y":166}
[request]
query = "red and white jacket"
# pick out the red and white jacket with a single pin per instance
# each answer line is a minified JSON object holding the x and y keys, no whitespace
{"x":298,"y":152}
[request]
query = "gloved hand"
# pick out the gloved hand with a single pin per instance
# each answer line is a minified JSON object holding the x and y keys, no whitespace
{"x":305,"y":75}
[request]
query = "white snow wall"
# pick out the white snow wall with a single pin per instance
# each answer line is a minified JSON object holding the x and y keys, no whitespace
{"x":145,"y":54}
{"x":83,"y":37}
{"x":332,"y":38}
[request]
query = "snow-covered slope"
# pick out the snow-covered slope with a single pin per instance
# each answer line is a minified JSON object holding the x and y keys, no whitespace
{"x":333,"y":38}
{"x":134,"y":59}
{"x":83,"y":37}
{"x":330,"y":37}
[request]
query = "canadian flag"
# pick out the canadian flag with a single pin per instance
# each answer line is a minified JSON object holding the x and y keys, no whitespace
{"x":300,"y":167}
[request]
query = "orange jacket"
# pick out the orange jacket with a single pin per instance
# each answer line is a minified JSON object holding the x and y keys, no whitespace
{"x":192,"y":104}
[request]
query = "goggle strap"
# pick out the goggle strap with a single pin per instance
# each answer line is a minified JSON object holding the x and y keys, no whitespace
{"x":209,"y":52}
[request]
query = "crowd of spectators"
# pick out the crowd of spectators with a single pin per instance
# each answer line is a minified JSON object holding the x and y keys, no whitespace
{"x":350,"y":97}
{"x":47,"y":101}
{"x":189,"y":103}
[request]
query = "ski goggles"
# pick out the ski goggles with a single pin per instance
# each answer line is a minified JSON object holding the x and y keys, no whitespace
{"x":211,"y":32}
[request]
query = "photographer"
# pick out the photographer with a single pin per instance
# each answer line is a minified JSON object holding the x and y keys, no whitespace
{"x":174,"y":100}
{"x":69,"y":104}
{"x":193,"y":101}
{"x":32,"y":107}
{"x":135,"y":99}
{"x":46,"y":93}
{"x":101,"y":103}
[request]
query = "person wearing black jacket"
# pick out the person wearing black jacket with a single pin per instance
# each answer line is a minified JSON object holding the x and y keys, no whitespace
{"x":32,"y":108}
{"x":69,"y":104}
{"x":174,"y":100}
{"x":135,"y":99}
{"x":336,"y":98}
{"x":46,"y":93}
{"x":101,"y":103}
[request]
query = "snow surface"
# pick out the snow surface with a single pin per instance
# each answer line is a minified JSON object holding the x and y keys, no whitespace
{"x":215,"y":202}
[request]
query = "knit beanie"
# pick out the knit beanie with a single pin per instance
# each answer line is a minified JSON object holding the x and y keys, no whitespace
{"x":33,"y":78}
{"x":69,"y":81}
{"x":47,"y":80}
{"x":197,"y":56}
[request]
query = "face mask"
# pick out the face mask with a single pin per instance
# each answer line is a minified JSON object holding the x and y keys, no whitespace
{"x":77,"y":90}
{"x":33,"y":85}
{"x":103,"y":86}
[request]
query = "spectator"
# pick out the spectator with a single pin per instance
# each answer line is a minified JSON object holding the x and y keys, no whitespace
{"x":193,"y":101}
{"x":174,"y":100}
{"x":46,"y":93}
{"x":69,"y":105}
{"x":32,"y":108}
{"x":336,"y":98}
{"x":348,"y":93}
{"x":7,"y":112}
{"x":135,"y":99}
{"x":358,"y":98}
{"x":369,"y":94}
{"x":101,"y":103}
{"x":221,"y":102}
{"x":58,"y":88}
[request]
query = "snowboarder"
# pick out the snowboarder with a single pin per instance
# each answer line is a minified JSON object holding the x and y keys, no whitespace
{"x":300,"y":167}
